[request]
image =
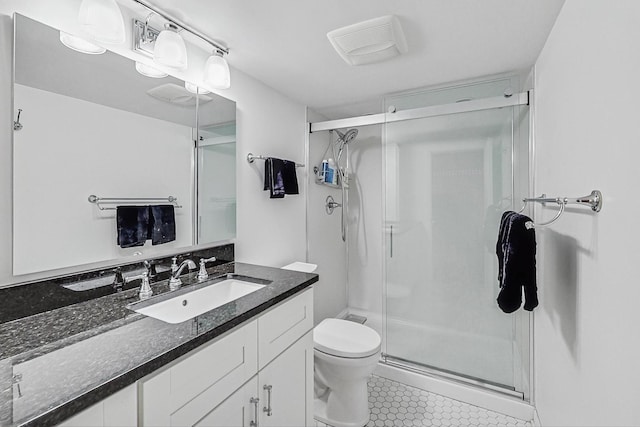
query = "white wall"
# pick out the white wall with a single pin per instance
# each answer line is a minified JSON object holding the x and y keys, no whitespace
{"x":587,"y":344}
{"x":270,"y":232}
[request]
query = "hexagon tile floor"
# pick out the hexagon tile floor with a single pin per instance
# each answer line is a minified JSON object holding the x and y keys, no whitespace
{"x":394,"y":404}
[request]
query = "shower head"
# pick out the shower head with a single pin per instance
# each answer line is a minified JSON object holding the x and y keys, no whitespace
{"x":348,"y":136}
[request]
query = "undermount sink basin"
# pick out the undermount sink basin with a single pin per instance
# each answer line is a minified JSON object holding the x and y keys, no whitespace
{"x":191,"y":304}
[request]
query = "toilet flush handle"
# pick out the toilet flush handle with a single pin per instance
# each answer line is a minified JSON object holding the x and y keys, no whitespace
{"x":267,"y":408}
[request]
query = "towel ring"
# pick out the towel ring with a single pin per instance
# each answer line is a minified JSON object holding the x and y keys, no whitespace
{"x":531,"y":224}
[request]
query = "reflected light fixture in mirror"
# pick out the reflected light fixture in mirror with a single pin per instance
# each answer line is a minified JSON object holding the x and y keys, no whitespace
{"x":195,"y":89}
{"x":80,"y":45}
{"x":149,"y":71}
{"x":169,"y":49}
{"x":216,"y":72}
{"x":102,"y":20}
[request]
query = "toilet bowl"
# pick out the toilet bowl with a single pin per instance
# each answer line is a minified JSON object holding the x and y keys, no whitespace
{"x":345,"y":355}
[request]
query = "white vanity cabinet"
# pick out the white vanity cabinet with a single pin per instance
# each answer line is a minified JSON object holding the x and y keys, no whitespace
{"x":260,"y":374}
{"x":117,"y":410}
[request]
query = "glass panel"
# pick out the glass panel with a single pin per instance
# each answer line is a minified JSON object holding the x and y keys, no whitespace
{"x":448,"y":179}
{"x":217,"y":183}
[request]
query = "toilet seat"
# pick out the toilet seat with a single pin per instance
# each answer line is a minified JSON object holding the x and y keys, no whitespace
{"x":343,"y":338}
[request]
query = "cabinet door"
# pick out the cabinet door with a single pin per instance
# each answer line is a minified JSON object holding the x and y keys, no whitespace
{"x":184,"y":393}
{"x":238,"y":410}
{"x":286,"y":387}
{"x":119,"y":409}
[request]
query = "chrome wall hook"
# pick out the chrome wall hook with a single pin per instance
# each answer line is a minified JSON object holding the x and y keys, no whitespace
{"x":17,"y":125}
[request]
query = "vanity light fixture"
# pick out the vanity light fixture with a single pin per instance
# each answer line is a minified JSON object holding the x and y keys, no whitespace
{"x":102,"y":20}
{"x":149,"y":71}
{"x":194,"y":88}
{"x":167,"y":47}
{"x":216,"y":71}
{"x":80,"y":45}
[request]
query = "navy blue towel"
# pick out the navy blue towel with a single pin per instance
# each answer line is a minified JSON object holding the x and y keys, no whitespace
{"x":289,"y":177}
{"x":273,"y":177}
{"x":516,"y":251}
{"x":280,"y":177}
{"x":133,"y":225}
{"x":162,"y":224}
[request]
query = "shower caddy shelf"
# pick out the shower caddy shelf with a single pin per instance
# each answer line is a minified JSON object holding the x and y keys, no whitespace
{"x":100,"y":201}
{"x":593,"y":200}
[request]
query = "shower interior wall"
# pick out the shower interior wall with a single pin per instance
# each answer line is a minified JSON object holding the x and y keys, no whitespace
{"x":324,"y":243}
{"x":351,"y":272}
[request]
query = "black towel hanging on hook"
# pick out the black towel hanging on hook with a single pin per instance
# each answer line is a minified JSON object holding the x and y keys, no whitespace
{"x":516,"y":251}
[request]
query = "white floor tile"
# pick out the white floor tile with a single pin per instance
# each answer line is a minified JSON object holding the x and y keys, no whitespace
{"x":395,"y":404}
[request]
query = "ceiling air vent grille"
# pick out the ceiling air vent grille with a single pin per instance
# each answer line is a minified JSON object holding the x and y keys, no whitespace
{"x":370,"y":41}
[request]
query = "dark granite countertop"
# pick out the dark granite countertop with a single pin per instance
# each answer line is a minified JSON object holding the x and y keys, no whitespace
{"x":57,"y":363}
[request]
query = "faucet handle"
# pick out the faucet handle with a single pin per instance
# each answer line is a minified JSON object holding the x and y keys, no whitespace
{"x":202,"y":273}
{"x":145,"y":288}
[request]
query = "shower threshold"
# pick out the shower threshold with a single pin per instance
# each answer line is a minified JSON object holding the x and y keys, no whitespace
{"x":450,"y":376}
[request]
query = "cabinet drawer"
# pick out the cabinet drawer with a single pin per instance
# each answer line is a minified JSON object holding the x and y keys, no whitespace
{"x":185,"y":392}
{"x":283,"y":325}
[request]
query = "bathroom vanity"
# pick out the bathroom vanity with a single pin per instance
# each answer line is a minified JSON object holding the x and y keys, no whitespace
{"x":248,"y":361}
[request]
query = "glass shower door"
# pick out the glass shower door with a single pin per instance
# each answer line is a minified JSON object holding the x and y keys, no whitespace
{"x":448,"y":179}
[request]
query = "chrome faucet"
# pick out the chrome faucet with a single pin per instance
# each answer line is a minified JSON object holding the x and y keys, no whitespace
{"x":176,"y":271}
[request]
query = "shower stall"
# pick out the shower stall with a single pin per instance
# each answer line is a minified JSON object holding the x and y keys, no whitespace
{"x":428,"y":182}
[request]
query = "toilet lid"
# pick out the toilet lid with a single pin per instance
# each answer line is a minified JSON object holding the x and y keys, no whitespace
{"x":344,"y":338}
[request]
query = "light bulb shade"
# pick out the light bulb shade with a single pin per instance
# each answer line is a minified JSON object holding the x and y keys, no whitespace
{"x":216,"y":72}
{"x":80,"y":45}
{"x":102,"y":20}
{"x":170,"y":49}
{"x":149,"y":71}
{"x":194,"y":88}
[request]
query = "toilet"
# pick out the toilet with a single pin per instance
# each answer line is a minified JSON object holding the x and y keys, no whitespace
{"x":345,"y":355}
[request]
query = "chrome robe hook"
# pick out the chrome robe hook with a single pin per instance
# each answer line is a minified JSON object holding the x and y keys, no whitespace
{"x":17,"y":125}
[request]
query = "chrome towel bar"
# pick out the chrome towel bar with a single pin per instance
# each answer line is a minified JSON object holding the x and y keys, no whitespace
{"x":251,"y":157}
{"x":100,"y":201}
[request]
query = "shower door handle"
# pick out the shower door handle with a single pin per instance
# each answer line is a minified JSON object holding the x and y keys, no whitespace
{"x":254,"y":401}
{"x":267,"y":408}
{"x":391,"y":242}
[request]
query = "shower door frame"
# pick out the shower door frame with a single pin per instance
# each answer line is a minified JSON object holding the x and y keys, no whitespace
{"x":517,"y":99}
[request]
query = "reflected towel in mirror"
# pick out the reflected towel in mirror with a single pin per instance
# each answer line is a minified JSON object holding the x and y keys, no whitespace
{"x":133,"y":225}
{"x":162,"y":224}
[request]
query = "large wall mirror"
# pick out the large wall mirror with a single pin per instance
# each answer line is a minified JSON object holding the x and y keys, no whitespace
{"x":93,"y":125}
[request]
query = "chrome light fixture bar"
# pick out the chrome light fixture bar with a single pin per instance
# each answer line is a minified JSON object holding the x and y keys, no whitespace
{"x":182,"y":25}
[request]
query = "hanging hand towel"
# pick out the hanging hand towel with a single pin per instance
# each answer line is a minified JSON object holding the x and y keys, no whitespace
{"x":162,"y":224}
{"x":289,"y":177}
{"x":273,"y":177}
{"x":516,"y":251}
{"x":133,"y":225}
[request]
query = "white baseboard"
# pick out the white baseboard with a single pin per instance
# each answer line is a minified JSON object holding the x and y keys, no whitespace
{"x":485,"y":399}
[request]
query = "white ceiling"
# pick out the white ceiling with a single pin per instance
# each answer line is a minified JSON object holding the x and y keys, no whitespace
{"x":283,"y":43}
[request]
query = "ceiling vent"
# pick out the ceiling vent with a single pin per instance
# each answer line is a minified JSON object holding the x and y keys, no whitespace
{"x":370,"y":41}
{"x":177,"y":95}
